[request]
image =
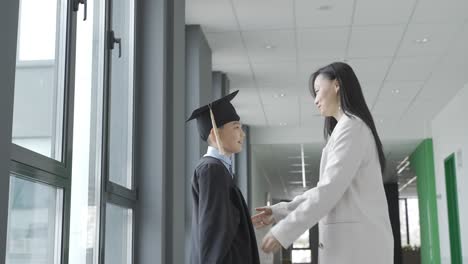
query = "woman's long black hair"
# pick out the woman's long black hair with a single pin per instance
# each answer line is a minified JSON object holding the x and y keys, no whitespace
{"x":351,"y":99}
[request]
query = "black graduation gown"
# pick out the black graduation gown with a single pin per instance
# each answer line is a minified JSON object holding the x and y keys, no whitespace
{"x":222,"y":230}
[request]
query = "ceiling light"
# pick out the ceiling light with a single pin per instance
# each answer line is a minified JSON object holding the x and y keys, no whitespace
{"x":422,"y":41}
{"x":296,"y":182}
{"x":268,"y":46}
{"x":276,"y":95}
{"x":298,"y":171}
{"x":324,"y":7}
{"x":403,"y":167}
{"x":297,"y":157}
{"x":396,"y":91}
{"x":282,"y":124}
{"x":408,"y":183}
{"x":299,"y":165}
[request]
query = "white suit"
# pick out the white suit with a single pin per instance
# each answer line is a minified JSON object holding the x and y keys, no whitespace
{"x":349,"y":202}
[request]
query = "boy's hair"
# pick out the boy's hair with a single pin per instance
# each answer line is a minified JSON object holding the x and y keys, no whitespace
{"x":208,"y":140}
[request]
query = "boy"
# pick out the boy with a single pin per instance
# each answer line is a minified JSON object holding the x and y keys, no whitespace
{"x":222,"y":231}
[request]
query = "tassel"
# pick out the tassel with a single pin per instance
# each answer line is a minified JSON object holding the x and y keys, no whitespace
{"x":216,"y":132}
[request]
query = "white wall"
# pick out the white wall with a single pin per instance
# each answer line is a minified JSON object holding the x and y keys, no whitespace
{"x":450,"y":135}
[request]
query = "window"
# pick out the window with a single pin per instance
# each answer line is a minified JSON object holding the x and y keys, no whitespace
{"x":40,"y":77}
{"x":34,"y":222}
{"x":119,"y":241}
{"x":87,"y":140}
{"x":301,"y":251}
{"x":40,"y":180}
{"x":121,"y":63}
{"x":409,"y":222}
{"x":120,"y":190}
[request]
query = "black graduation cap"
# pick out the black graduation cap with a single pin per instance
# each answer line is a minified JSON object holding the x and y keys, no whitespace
{"x":222,"y":110}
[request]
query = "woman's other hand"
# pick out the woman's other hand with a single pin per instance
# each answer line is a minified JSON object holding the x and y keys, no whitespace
{"x":270,"y":244}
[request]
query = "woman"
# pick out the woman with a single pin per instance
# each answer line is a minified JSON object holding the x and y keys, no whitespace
{"x":349,"y":201}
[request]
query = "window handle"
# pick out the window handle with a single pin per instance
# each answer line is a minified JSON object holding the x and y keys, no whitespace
{"x":76,"y":5}
{"x":112,"y":40}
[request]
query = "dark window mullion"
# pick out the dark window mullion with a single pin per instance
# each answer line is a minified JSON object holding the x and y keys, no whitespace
{"x":25,"y":156}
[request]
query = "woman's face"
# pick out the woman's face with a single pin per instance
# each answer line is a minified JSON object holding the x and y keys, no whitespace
{"x":327,"y":97}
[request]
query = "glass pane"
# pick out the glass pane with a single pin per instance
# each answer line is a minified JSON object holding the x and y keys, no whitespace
{"x":34,"y":223}
{"x":301,"y":256}
{"x":303,"y":241}
{"x":39,"y":93}
{"x":403,"y":233}
{"x":86,"y":176}
{"x":119,"y":242}
{"x":413,"y":218}
{"x":121,"y":94}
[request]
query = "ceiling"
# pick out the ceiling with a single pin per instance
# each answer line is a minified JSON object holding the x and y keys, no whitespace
{"x":409,"y":56}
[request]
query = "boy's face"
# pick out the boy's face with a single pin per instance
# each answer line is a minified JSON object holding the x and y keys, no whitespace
{"x":232,"y":135}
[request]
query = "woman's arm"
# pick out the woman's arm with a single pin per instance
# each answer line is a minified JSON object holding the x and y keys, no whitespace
{"x":343,"y":162}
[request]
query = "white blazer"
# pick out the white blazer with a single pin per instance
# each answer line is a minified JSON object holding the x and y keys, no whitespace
{"x":349,"y":202}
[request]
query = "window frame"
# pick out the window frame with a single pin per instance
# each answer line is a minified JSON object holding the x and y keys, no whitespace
{"x":32,"y":166}
{"x":112,"y":192}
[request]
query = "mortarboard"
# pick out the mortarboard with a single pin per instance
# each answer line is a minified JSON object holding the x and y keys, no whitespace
{"x":222,"y":111}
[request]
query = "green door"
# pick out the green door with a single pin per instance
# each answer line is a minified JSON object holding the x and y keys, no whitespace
{"x":452,"y":207}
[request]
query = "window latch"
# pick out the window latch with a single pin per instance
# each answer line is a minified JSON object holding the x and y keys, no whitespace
{"x":76,"y":5}
{"x":112,"y":40}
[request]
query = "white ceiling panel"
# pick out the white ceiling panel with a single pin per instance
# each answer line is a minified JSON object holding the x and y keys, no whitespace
{"x":252,"y":115}
{"x":390,"y":107}
{"x":375,"y":41}
{"x":283,"y":113}
{"x":412,"y":68}
{"x":322,"y":43}
{"x":425,"y":109}
{"x":378,"y":12}
{"x":281,"y":75}
{"x":370,"y":70}
{"x":435,"y":11}
{"x":323,"y":13}
{"x":282,"y":44}
{"x":400,"y":90}
{"x":246,"y":96}
{"x":279,"y":96}
{"x":370,"y":90}
{"x":438,"y":38}
{"x":227,"y":48}
{"x":240,"y":75}
{"x":264,"y":14}
{"x":213,"y":15}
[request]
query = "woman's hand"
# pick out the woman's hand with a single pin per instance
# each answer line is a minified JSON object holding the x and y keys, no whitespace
{"x":263,"y":218}
{"x":270,"y":244}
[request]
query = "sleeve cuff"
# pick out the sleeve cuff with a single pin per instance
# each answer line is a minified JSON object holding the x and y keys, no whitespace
{"x":278,"y":211}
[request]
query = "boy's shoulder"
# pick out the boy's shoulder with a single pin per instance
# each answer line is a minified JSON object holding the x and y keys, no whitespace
{"x":208,"y":162}
{"x":208,"y":166}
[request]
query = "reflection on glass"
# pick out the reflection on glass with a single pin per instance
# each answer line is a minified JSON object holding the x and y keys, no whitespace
{"x":39,"y":79}
{"x":301,"y":256}
{"x":118,"y":241}
{"x":86,"y":176}
{"x":121,"y":93}
{"x":34,"y":223}
{"x":303,"y":241}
